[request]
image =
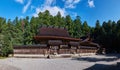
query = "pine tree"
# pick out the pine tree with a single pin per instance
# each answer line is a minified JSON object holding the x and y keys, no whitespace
{"x":85,"y":28}
{"x":78,"y":27}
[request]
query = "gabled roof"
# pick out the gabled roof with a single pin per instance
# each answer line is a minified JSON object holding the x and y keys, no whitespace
{"x":88,"y":42}
{"x":53,"y":31}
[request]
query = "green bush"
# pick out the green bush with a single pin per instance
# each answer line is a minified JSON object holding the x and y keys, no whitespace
{"x":6,"y":46}
{"x":5,"y":51}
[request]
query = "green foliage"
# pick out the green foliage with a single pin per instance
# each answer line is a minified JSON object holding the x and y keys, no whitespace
{"x":85,"y":28}
{"x":108,"y":36}
{"x":6,"y":50}
{"x":6,"y":46}
{"x":77,"y":27}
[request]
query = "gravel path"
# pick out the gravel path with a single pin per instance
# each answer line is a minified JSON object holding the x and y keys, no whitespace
{"x":80,"y":63}
{"x":8,"y":67}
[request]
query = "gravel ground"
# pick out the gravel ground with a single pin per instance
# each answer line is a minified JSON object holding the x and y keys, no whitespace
{"x":80,"y":63}
{"x":8,"y":67}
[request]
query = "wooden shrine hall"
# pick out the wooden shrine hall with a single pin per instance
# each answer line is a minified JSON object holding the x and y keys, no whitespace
{"x":56,"y":40}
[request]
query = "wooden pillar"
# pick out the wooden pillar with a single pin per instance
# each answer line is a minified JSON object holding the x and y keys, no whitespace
{"x":58,"y":50}
{"x":49,"y":51}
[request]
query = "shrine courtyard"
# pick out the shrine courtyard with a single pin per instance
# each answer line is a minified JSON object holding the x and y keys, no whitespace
{"x":94,"y":62}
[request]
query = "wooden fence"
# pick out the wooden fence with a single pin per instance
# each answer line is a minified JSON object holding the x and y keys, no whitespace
{"x":46,"y":50}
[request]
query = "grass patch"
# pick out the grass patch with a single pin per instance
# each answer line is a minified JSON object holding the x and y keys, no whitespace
{"x":2,"y":57}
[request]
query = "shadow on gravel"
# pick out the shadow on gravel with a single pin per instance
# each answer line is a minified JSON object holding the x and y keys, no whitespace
{"x":104,"y":67}
{"x":115,"y":55}
{"x":91,"y":59}
{"x":107,"y":58}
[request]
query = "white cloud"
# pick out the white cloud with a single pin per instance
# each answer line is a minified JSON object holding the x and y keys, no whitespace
{"x":71,"y":3}
{"x":21,"y":16}
{"x":91,"y":3}
{"x":49,"y":2}
{"x":32,"y":7}
{"x":75,"y":14}
{"x":52,"y":9}
{"x":20,"y":1}
{"x":76,"y":1}
{"x":26,"y":6}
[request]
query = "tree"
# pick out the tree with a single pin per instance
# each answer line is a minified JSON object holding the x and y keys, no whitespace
{"x":6,"y":48}
{"x":85,"y":28}
{"x":6,"y":37}
{"x":97,"y":32}
{"x":77,"y":27}
{"x":69,"y":25}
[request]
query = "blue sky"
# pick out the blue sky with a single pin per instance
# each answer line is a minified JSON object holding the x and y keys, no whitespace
{"x":88,"y":10}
